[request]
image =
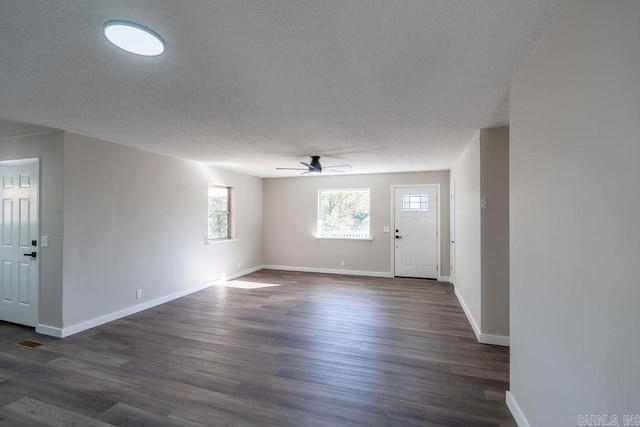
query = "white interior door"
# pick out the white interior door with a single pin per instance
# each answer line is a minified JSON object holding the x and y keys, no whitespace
{"x":416,"y":232}
{"x":452,"y":233}
{"x":19,"y":237}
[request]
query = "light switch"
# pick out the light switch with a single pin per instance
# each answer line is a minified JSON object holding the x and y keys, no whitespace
{"x":386,"y":229}
{"x":44,"y":241}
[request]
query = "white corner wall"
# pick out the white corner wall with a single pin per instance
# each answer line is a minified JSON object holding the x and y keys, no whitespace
{"x":290,"y":221}
{"x":494,"y":187}
{"x":137,"y":220}
{"x":482,"y":235}
{"x":465,"y":174}
{"x":575,"y":239}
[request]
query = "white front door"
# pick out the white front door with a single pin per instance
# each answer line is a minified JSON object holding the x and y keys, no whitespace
{"x":416,"y":232}
{"x":19,"y":238}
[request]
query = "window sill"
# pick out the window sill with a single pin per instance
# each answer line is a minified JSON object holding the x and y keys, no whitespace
{"x":343,"y":238}
{"x":216,"y":241}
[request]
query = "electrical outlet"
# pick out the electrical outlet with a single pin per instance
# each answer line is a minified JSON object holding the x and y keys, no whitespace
{"x":139,"y":293}
{"x":342,"y":262}
{"x":44,"y":241}
{"x":239,"y":264}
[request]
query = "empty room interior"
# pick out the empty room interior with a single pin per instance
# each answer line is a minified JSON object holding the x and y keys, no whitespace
{"x":329,"y":213}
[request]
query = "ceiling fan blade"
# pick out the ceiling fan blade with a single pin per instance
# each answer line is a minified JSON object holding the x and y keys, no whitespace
{"x":291,"y":169}
{"x":333,"y":170}
{"x":337,"y":166}
{"x":304,"y":173}
{"x":307,"y":165}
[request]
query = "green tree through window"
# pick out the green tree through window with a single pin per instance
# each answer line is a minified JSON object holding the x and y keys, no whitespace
{"x":219,"y":212}
{"x":344,"y":213}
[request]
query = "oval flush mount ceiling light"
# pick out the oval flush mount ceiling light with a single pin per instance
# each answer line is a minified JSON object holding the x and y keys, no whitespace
{"x":133,"y":38}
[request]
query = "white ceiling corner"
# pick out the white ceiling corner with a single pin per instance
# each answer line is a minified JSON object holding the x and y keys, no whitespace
{"x":386,"y":86}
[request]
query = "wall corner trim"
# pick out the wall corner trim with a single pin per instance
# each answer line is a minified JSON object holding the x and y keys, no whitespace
{"x":494,"y":339}
{"x":51,"y":331}
{"x":482,"y":338}
{"x":101,"y":320}
{"x":516,"y":411}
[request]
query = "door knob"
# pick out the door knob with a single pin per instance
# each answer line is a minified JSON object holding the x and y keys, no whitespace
{"x":398,"y":237}
{"x":32,"y":254}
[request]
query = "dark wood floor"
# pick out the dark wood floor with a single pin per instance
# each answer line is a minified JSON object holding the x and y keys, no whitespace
{"x":319,"y":350}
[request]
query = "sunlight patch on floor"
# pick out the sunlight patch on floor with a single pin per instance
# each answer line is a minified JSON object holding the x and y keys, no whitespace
{"x":240,"y":284}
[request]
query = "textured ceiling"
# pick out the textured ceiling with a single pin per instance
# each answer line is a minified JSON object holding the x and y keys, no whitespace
{"x":386,"y":86}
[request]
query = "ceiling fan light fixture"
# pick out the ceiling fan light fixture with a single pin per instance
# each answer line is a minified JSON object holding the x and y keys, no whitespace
{"x":133,"y":38}
{"x":315,"y":163}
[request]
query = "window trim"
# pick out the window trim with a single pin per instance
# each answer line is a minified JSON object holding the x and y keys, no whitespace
{"x":230,"y":215}
{"x":345,"y":238}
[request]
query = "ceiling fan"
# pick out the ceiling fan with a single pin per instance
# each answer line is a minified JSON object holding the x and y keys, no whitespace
{"x":316,"y":167}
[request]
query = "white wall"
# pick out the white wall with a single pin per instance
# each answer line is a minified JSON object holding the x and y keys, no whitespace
{"x":290,"y":219}
{"x":137,"y":220}
{"x":494,"y":186}
{"x":465,"y":174}
{"x":575,"y":238}
{"x":48,"y":147}
{"x":482,"y":235}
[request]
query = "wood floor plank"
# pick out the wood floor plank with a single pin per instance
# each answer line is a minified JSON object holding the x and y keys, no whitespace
{"x":318,"y":350}
{"x":54,"y":394}
{"x":32,"y":411}
{"x":123,"y":415}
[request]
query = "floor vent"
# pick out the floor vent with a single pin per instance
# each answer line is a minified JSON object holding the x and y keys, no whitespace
{"x":30,"y":344}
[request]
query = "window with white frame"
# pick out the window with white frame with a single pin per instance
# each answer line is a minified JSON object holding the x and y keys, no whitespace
{"x":415,"y":202}
{"x":344,"y":214}
{"x":219,"y":213}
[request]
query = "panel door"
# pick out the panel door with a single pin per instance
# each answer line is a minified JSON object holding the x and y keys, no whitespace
{"x":19,"y":236}
{"x":416,"y":232}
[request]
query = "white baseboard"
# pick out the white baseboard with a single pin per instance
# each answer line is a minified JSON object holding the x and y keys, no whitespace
{"x":101,"y":320}
{"x":482,"y":338}
{"x":467,"y":312}
{"x":52,"y":331}
{"x":242,"y":273}
{"x":494,"y":339}
{"x":329,"y":271}
{"x":516,"y":411}
{"x":339,"y":271}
